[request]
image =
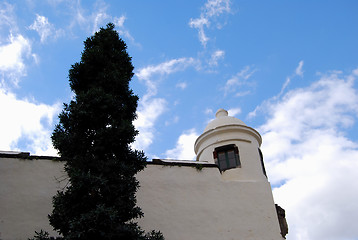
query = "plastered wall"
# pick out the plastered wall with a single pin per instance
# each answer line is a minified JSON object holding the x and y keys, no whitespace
{"x":181,"y":201}
{"x":26,"y":190}
{"x":185,"y":203}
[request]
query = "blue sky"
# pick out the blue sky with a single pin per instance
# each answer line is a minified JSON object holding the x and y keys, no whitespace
{"x":287,"y":68}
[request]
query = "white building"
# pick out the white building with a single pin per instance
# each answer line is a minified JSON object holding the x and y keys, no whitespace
{"x":225,"y":194}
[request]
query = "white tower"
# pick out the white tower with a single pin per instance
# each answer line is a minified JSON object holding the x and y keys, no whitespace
{"x":235,"y":148}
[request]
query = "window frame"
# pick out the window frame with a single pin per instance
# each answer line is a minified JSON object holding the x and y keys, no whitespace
{"x":226,"y":149}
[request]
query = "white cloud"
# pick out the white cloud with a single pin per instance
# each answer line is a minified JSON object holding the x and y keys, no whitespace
{"x":27,"y":124}
{"x":165,"y":68}
{"x":12,"y":58}
{"x":44,"y":28}
{"x":239,"y":81}
{"x":150,"y":108}
{"x":311,"y":161}
{"x":215,"y":57}
{"x":24,"y":125}
{"x":15,"y":49}
{"x":211,"y":10}
{"x":123,"y":31}
{"x":153,"y":73}
{"x":98,"y":18}
{"x":209,"y":111}
{"x":243,"y":93}
{"x":79,"y":16}
{"x":7,"y":17}
{"x":234,"y":111}
{"x":200,"y":23}
{"x":184,"y":149}
{"x":89,"y":20}
{"x":120,"y":21}
{"x":298,"y":70}
{"x":181,"y":85}
{"x":284,"y":86}
{"x":148,"y":112}
{"x":217,"y":7}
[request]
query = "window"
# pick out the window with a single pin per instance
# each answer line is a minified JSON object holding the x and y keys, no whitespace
{"x":227,"y":157}
{"x":262,"y":162}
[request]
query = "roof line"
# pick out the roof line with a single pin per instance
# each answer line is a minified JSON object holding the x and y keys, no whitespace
{"x":171,"y":162}
{"x":27,"y":155}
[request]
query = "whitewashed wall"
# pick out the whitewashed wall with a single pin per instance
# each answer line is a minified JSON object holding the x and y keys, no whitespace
{"x":181,"y":201}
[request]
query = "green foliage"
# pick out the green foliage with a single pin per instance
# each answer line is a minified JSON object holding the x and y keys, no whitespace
{"x":199,"y":167}
{"x":93,"y":137}
{"x":154,"y":235}
{"x":43,"y":235}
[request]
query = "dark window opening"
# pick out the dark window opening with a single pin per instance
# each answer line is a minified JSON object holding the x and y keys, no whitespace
{"x":227,"y":157}
{"x":281,"y":214}
{"x":262,"y":162}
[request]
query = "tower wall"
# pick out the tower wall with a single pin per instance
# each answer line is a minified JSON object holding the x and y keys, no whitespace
{"x":186,"y":203}
{"x":247,"y":140}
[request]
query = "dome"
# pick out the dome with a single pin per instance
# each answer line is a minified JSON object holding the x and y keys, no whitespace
{"x":222,"y":119}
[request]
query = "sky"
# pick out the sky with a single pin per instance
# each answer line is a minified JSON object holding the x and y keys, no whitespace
{"x":286,"y":68}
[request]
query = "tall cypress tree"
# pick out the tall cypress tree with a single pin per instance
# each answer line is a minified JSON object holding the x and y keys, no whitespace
{"x":93,"y":137}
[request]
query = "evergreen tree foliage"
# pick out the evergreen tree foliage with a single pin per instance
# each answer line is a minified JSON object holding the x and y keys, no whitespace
{"x":93,"y":137}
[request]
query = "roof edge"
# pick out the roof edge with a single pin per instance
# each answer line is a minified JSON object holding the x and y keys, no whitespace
{"x":27,"y":156}
{"x":187,"y":163}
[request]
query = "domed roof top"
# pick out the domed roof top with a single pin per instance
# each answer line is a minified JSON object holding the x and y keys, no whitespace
{"x":222,"y":119}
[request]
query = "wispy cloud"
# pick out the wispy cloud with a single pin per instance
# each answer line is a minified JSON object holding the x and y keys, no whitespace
{"x":216,"y":7}
{"x":216,"y":56}
{"x":200,"y":23}
{"x":181,"y":85}
{"x":120,"y":21}
{"x":311,"y":162}
{"x":7,"y":17}
{"x":44,"y":28}
{"x":236,"y":83}
{"x":99,"y":20}
{"x":298,"y":72}
{"x":150,"y":108}
{"x":99,"y":17}
{"x":153,"y":73}
{"x":209,"y":111}
{"x":165,"y":68}
{"x":15,"y":48}
{"x":184,"y":149}
{"x":123,"y":31}
{"x":90,"y":20}
{"x":78,"y":15}
{"x":211,"y":10}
